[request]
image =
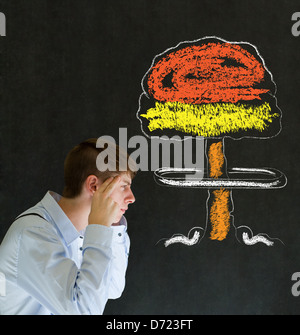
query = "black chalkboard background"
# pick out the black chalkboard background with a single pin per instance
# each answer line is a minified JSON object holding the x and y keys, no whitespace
{"x":71,"y":70}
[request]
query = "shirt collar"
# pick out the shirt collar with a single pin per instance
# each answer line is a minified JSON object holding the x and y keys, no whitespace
{"x":123,"y":221}
{"x":65,"y":226}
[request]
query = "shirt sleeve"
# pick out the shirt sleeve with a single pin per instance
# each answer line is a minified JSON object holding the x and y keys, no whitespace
{"x":118,"y":265}
{"x":45,"y":272}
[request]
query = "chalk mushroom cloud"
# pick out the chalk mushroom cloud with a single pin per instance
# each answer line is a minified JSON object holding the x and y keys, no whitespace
{"x":214,"y":89}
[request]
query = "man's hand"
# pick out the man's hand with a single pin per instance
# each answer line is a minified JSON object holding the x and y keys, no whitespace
{"x":104,"y":209}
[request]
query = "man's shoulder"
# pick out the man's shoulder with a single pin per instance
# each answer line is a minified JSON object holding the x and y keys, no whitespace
{"x":34,"y":218}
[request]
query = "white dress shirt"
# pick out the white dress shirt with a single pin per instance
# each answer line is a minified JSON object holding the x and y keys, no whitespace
{"x":51,"y":268}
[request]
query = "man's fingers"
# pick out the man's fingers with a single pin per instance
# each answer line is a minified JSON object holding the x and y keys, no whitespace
{"x":103,"y":186}
{"x":107,"y":187}
{"x":112,"y":185}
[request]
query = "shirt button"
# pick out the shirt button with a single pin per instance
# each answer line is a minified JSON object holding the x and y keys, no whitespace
{"x":80,"y":248}
{"x":120,"y":234}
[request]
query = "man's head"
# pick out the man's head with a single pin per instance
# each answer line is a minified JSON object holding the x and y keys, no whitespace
{"x":80,"y":164}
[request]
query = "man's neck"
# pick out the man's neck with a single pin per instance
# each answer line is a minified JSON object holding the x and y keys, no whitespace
{"x":77,"y":210}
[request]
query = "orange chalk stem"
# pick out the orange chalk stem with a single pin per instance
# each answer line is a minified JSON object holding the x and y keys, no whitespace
{"x":216,"y":159}
{"x":219,"y":212}
{"x":220,"y":215}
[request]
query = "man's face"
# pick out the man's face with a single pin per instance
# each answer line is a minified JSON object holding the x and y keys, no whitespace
{"x":123,"y":195}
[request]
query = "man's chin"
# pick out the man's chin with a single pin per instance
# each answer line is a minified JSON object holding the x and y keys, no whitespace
{"x":117,"y":221}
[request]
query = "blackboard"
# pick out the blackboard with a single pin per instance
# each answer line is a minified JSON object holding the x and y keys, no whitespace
{"x":72,"y":70}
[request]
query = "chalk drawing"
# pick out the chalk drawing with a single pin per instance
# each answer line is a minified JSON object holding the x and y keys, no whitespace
{"x":189,"y":240}
{"x":216,"y":89}
{"x":255,"y":239}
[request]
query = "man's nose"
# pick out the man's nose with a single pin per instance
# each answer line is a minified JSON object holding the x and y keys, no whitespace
{"x":130,"y":199}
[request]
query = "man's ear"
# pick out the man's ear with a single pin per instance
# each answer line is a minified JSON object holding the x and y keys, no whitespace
{"x":91,"y":184}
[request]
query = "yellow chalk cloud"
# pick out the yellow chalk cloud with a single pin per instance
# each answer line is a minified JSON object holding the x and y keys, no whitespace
{"x":209,"y":119}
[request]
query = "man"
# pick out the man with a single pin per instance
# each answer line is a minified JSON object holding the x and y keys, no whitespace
{"x":68,"y":254}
